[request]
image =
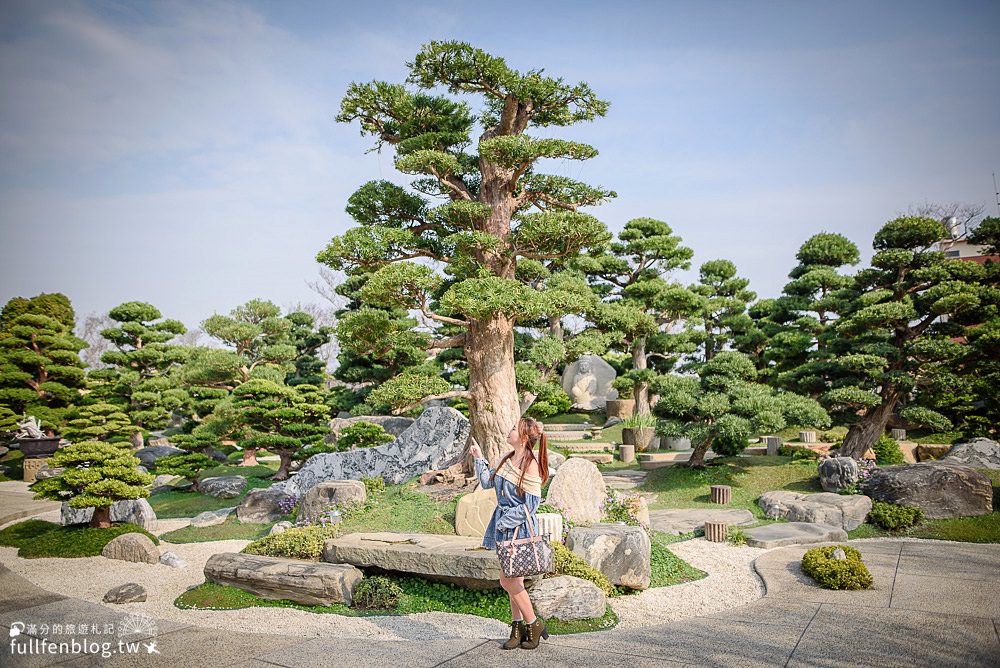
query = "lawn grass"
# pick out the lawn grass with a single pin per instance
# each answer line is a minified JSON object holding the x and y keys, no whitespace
{"x":402,"y":508}
{"x":231,"y":529}
{"x":13,"y":461}
{"x":177,"y":503}
{"x":667,"y":569}
{"x":597,"y":419}
{"x":927,"y":437}
{"x":419,"y":595}
{"x":682,"y":487}
{"x":37,"y":538}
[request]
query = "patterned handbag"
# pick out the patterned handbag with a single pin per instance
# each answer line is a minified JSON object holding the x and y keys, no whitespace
{"x":522,"y":557}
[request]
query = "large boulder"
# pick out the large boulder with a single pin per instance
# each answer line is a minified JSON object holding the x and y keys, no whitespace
{"x":567,"y":598}
{"x":847,"y":511}
{"x":555,"y":459}
{"x":335,"y":492}
{"x":133,"y":511}
{"x":305,"y":582}
{"x":455,"y":559}
{"x":578,"y":491}
{"x":148,"y":455}
{"x":210,"y":518}
{"x":223,"y":487}
{"x":392,"y":424}
{"x":941,"y":489}
{"x":619,"y":551}
{"x":435,"y":440}
{"x":261,"y":505}
{"x":135,"y":547}
{"x":474,"y":512}
{"x":781,"y":534}
{"x":838,"y":473}
{"x":979,"y":453}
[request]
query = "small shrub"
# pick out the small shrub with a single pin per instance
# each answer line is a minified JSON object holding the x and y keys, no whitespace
{"x":797,"y":452}
{"x":830,"y":573}
{"x":887,"y":452}
{"x":374,"y":486}
{"x":737,"y":536}
{"x":377,"y":593}
{"x":892,"y":517}
{"x":623,"y":509}
{"x":639,"y":422}
{"x":362,"y":435}
{"x":564,"y":562}
{"x":294,"y":543}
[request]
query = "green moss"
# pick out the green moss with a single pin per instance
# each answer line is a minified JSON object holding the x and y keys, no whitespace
{"x":830,"y":573}
{"x":36,"y":538}
{"x":231,"y":529}
{"x":295,"y":543}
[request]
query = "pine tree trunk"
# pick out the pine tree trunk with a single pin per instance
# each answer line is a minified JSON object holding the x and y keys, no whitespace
{"x":493,"y":405}
{"x":641,"y":390}
{"x":697,"y":460}
{"x":862,"y":436}
{"x":249,"y":457}
{"x":101,"y":518}
{"x":285,"y":462}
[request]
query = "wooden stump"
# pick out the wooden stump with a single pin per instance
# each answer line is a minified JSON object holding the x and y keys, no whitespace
{"x":716,"y":532}
{"x":626,"y":453}
{"x":807,"y":436}
{"x":773,"y":443}
{"x":899,"y":434}
{"x":722,"y":494}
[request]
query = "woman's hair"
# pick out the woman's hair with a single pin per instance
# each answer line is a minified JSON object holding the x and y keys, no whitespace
{"x":531,"y":431}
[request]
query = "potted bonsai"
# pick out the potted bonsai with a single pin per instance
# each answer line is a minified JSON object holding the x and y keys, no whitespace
{"x":32,"y":441}
{"x":671,"y":435}
{"x":640,"y":430}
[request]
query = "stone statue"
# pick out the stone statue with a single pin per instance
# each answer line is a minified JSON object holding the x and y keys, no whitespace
{"x":588,"y":382}
{"x":30,"y":427}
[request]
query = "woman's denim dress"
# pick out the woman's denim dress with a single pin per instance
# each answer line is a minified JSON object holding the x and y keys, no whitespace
{"x":510,"y":511}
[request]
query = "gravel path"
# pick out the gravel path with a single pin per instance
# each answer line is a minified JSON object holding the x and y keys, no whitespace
{"x":731,"y":583}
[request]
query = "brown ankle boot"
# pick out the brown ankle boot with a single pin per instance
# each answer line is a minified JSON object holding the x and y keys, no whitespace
{"x":533,"y":634}
{"x":516,"y":634}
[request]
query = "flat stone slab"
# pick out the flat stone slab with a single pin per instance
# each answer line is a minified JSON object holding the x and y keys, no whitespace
{"x":597,"y":458}
{"x":686,"y":520}
{"x":793,"y":533}
{"x":845,"y":510}
{"x":305,"y":582}
{"x":627,"y":479}
{"x":456,"y":559}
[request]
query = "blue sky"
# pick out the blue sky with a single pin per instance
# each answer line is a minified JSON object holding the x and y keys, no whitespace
{"x":185,"y":154}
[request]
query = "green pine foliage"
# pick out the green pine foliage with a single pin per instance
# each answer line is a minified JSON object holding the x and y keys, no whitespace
{"x":362,"y":434}
{"x":97,"y":422}
{"x":188,"y":465}
{"x":887,"y":452}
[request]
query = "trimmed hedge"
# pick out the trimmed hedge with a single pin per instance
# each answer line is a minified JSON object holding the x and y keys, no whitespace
{"x":892,"y":517}
{"x":830,"y":573}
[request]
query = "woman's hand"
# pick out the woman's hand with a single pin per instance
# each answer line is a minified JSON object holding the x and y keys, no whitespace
{"x":476,"y":451}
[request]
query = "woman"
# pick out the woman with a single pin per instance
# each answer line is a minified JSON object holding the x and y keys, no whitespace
{"x":518,"y":480}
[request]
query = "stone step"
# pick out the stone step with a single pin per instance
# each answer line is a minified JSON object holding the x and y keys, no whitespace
{"x":793,"y":533}
{"x":686,"y":520}
{"x":626,"y":479}
{"x":586,"y":446}
{"x":655,"y":460}
{"x":570,"y":427}
{"x":597,"y":458}
{"x":565,"y":435}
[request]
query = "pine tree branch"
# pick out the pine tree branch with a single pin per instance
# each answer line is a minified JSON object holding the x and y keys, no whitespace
{"x":442,"y":318}
{"x":451,"y":342}
{"x":465,"y":394}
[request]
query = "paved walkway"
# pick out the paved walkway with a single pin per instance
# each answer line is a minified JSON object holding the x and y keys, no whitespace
{"x":17,"y":501}
{"x":934,"y":604}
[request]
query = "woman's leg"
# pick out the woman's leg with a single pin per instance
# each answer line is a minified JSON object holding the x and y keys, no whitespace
{"x":519,"y":599}
{"x":510,"y":586}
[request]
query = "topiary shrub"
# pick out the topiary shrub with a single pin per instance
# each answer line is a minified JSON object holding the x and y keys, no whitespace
{"x":831,"y":573}
{"x":797,"y":452}
{"x":377,"y":593}
{"x":887,"y":452}
{"x":564,"y":562}
{"x":295,"y":543}
{"x":892,"y":517}
{"x":362,"y":435}
{"x":188,"y":465}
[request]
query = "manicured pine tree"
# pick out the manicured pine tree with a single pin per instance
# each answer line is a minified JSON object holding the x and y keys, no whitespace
{"x":722,"y":313}
{"x":98,"y":422}
{"x":484,"y":225}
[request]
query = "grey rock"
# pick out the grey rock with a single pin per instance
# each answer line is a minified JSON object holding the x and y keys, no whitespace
{"x":172,"y":560}
{"x":217,"y":455}
{"x":793,"y":533}
{"x":4,"y":450}
{"x":141,"y":469}
{"x":578,"y":491}
{"x":619,"y":551}
{"x":939,"y":488}
{"x":211,"y":518}
{"x":838,"y":473}
{"x":556,"y":459}
{"x":846,"y":511}
{"x":393,"y":425}
{"x":133,"y":511}
{"x":261,"y":505}
{"x":436,"y":440}
{"x":336,"y":492}
{"x":455,"y":559}
{"x":979,"y":453}
{"x":280,"y":527}
{"x":679,"y":522}
{"x":135,"y":547}
{"x":130,"y":592}
{"x":612,"y":421}
{"x":48,"y":472}
{"x":567,"y":598}
{"x":223,"y":487}
{"x":306,"y":582}
{"x":148,"y":455}
{"x":163,"y":481}
{"x":839,"y":554}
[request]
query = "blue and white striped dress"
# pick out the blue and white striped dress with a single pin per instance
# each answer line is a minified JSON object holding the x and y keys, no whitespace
{"x":510,"y":514}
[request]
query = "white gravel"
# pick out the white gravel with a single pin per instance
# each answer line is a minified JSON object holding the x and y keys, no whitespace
{"x":731,"y":582}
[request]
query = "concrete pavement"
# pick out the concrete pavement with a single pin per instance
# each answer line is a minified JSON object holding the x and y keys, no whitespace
{"x":934,"y":604}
